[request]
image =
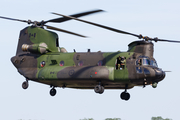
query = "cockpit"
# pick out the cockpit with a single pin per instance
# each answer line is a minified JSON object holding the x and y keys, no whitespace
{"x":147,"y":69}
{"x":144,"y":61}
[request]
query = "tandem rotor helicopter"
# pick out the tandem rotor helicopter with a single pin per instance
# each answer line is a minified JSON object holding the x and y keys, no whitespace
{"x":40,"y":59}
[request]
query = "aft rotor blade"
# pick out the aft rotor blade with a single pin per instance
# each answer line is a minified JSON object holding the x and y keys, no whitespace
{"x":63,"y":19}
{"x":65,"y":31}
{"x":102,"y":26}
{"x":14,"y":19}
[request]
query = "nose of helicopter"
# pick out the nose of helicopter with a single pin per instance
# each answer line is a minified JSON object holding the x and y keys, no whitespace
{"x":160,"y":74}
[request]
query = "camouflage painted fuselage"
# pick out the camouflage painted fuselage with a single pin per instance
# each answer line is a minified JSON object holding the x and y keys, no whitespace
{"x":81,"y":70}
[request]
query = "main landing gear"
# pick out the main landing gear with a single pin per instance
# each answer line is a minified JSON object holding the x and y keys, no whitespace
{"x":52,"y":92}
{"x":125,"y":95}
{"x":99,"y":89}
{"x":25,"y":84}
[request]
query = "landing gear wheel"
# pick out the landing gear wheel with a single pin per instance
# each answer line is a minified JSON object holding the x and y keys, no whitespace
{"x":25,"y":85}
{"x":97,"y":89}
{"x":154,"y":85}
{"x":52,"y":92}
{"x":125,"y":96}
{"x":102,"y":90}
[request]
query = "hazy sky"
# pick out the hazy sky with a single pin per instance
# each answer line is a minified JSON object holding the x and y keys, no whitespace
{"x":154,"y":18}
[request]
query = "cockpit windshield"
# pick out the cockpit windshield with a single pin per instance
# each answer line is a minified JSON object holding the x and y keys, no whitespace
{"x":146,"y":61}
{"x":153,"y":63}
{"x":143,"y":60}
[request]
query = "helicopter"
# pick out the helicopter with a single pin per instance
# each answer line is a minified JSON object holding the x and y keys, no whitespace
{"x":40,"y":59}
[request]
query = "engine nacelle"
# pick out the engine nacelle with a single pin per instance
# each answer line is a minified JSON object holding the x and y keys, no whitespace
{"x":35,"y":48}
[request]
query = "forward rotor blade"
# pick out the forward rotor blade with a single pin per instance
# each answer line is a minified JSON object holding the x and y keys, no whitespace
{"x":162,"y":40}
{"x":119,"y":31}
{"x":63,"y":19}
{"x":102,"y":26}
{"x":65,"y":31}
{"x":14,"y":19}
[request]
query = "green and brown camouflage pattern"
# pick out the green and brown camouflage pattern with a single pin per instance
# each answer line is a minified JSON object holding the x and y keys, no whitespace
{"x":42,"y":45}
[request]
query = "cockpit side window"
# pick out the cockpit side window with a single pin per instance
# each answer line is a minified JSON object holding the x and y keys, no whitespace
{"x":139,"y":62}
{"x":143,"y":61}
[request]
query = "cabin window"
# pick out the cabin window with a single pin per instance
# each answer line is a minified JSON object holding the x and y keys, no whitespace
{"x":80,"y":63}
{"x":139,"y":70}
{"x":100,"y":63}
{"x":61,"y":63}
{"x":42,"y":63}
